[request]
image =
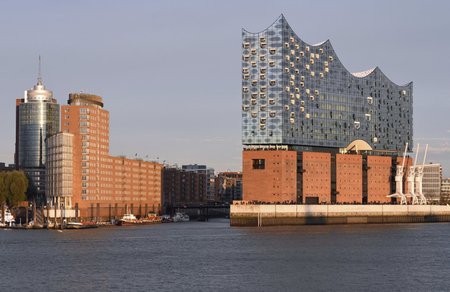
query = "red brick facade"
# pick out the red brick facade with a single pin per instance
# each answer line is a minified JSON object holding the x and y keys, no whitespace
{"x":349,"y":178}
{"x":358,"y":179}
{"x":316,"y":177}
{"x":270,"y":176}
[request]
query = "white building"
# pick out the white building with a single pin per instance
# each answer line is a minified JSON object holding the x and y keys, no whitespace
{"x":59,"y":170}
{"x":445,"y":191}
{"x":431,"y":183}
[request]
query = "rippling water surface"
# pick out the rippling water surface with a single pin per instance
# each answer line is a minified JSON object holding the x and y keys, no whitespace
{"x":212,"y":256}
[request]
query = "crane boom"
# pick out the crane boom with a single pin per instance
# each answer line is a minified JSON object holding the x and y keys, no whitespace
{"x":404,"y":155}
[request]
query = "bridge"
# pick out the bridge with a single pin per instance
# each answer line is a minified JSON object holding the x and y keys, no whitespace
{"x":201,"y":211}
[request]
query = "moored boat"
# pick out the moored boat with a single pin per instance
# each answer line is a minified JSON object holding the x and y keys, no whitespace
{"x":166,"y":219}
{"x":81,"y":225}
{"x":128,"y":219}
{"x":180,"y":217}
{"x":9,"y":219}
{"x":151,"y":218}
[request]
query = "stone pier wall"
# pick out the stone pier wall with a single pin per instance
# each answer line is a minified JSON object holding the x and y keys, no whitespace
{"x":270,"y":215}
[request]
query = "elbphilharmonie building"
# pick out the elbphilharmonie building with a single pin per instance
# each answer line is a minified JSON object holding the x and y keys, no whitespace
{"x":299,"y":94}
{"x":312,"y":131}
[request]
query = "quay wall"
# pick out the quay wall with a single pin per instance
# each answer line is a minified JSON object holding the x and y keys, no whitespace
{"x":272,"y":215}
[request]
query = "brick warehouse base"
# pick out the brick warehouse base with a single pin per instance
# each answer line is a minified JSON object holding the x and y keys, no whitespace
{"x":275,"y":215}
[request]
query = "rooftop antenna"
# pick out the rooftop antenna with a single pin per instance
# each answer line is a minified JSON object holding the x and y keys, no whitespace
{"x":39,"y":72}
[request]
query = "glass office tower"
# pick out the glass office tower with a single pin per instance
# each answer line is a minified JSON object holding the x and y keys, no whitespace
{"x":294,"y":93}
{"x":37,"y":118}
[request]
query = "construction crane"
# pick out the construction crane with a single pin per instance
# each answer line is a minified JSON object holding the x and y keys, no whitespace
{"x":422,"y":200}
{"x":410,"y":180}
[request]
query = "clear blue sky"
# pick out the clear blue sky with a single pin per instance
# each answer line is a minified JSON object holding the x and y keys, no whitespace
{"x":170,"y":71}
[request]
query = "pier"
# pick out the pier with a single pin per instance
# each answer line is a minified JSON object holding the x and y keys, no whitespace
{"x":272,"y":215}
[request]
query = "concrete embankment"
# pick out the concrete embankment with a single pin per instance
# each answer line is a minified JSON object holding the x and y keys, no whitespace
{"x":271,"y":215}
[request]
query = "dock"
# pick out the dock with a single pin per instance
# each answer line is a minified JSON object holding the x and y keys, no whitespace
{"x":275,"y":215}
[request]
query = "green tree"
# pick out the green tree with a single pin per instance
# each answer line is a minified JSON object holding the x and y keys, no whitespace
{"x":17,"y":184}
{"x":3,"y":194}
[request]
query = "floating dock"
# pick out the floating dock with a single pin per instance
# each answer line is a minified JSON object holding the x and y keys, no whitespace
{"x":273,"y":215}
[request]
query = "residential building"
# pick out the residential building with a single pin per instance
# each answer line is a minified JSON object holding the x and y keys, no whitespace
{"x":183,"y":187}
{"x":103,"y":186}
{"x":209,"y":177}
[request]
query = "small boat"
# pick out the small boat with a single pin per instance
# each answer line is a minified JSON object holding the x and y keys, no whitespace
{"x":128,"y":219}
{"x":151,"y":218}
{"x":9,"y":219}
{"x":180,"y":217}
{"x":81,"y":225}
{"x":166,"y":219}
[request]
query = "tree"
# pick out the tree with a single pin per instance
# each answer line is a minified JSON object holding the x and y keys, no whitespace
{"x":3,"y":194}
{"x":17,"y":184}
{"x":13,"y":185}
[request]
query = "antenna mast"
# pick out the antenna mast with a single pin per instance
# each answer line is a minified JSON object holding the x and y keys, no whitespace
{"x":39,"y":72}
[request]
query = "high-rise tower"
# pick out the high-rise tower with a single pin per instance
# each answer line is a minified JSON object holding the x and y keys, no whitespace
{"x":37,"y":118}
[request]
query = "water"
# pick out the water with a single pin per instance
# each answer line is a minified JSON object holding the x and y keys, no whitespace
{"x":199,"y":256}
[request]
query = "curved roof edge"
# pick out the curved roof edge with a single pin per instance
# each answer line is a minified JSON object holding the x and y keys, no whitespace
{"x":281,"y":16}
{"x":365,"y":73}
{"x":361,"y":74}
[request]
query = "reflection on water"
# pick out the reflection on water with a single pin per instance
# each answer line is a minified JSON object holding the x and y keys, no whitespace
{"x":199,"y":256}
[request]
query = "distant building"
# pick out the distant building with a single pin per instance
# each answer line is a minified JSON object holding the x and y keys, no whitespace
{"x":181,"y":187}
{"x":228,"y":186}
{"x":37,"y":118}
{"x":5,"y":167}
{"x":431,"y":182}
{"x":209,"y":172}
{"x":445,"y":191}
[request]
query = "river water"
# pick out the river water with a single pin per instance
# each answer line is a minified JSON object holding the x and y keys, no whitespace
{"x":212,"y":256}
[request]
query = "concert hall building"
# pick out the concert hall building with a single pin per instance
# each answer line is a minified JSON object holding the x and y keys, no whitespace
{"x":312,"y":131}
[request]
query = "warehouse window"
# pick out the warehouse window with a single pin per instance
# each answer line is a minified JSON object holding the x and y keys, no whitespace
{"x":259,"y":163}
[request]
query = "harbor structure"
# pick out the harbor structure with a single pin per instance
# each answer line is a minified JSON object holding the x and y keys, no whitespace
{"x":313,"y":132}
{"x":103,"y":186}
{"x":37,"y":119}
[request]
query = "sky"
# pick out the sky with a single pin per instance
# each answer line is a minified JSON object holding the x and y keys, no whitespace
{"x":170,"y":71}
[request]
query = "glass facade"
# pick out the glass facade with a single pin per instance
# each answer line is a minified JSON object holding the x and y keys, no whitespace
{"x":37,"y":120}
{"x":298,"y":94}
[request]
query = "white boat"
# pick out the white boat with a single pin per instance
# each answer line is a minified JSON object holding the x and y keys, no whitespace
{"x":9,"y":218}
{"x":128,"y":219}
{"x":180,"y":217}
